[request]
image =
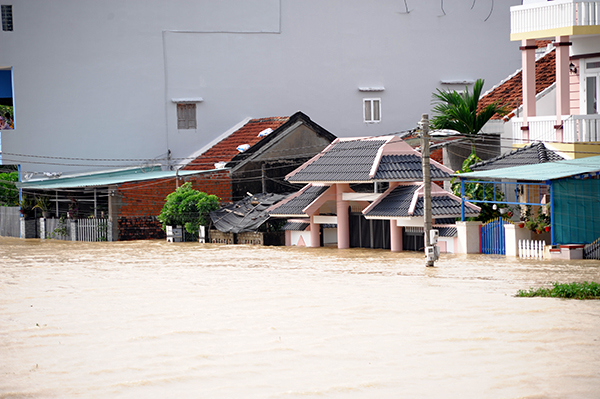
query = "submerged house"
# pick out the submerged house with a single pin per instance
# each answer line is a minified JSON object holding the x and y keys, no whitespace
{"x":365,"y":192}
{"x":254,"y":157}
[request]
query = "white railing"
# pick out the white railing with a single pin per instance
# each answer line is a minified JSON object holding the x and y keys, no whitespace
{"x":531,"y":249}
{"x":576,"y":128}
{"x":554,"y":15}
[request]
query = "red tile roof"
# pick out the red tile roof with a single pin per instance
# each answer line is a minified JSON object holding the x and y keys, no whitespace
{"x":510,"y":91}
{"x":226,"y":149}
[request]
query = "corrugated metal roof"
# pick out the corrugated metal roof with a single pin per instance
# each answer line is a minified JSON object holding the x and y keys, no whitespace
{"x":299,"y":201}
{"x":104,"y":178}
{"x":539,"y":172}
{"x":345,"y":161}
{"x":405,"y":167}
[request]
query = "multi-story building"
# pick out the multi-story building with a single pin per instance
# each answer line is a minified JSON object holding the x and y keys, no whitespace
{"x":99,"y":84}
{"x":574,"y":122}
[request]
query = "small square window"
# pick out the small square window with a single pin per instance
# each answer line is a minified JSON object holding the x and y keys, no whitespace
{"x":7,"y":19}
{"x":186,"y":116}
{"x":372,"y":110}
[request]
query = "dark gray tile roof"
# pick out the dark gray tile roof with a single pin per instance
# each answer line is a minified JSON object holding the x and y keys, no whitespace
{"x":298,"y":202}
{"x":345,"y":161}
{"x":397,"y":204}
{"x":405,"y":167}
{"x":295,"y":226}
{"x":532,"y":154}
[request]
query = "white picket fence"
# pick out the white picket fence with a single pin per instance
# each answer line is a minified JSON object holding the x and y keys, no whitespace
{"x":531,"y":249}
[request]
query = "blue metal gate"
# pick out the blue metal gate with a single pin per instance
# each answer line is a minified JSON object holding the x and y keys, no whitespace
{"x":493,"y":239}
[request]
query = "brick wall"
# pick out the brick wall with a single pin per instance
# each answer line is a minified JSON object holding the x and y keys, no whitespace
{"x":140,"y":228}
{"x":139,"y":203}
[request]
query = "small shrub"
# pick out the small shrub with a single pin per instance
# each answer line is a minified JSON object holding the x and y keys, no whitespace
{"x":188,"y":208}
{"x":585,"y":290}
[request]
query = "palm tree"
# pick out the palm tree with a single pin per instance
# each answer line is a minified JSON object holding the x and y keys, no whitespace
{"x":458,"y":111}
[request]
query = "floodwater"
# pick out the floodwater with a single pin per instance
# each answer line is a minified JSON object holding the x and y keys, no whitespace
{"x":150,"y":319}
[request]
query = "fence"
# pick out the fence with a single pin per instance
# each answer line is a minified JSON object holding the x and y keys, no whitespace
{"x":77,"y":230}
{"x":10,"y":221}
{"x":531,"y":249}
{"x":592,"y":250}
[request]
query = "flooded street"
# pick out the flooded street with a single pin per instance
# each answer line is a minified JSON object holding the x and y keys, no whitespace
{"x":153,"y":320}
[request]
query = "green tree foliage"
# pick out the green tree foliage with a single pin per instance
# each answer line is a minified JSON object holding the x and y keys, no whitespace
{"x":188,"y":207}
{"x":479,"y":191}
{"x":458,"y":111}
{"x":9,"y":194}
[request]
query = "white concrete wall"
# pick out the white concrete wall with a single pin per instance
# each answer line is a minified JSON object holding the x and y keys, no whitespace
{"x":469,"y":238}
{"x":95,"y":78}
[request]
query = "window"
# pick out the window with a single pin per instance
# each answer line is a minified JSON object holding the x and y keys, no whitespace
{"x":7,"y":20}
{"x":186,"y":116}
{"x":372,"y":107}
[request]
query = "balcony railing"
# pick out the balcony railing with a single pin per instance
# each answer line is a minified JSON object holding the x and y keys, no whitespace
{"x":555,"y":15}
{"x":576,"y":128}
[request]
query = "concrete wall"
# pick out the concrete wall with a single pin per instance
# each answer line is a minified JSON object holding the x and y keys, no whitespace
{"x":96,"y":79}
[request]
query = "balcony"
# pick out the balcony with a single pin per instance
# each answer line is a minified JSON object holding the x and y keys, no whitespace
{"x":576,"y":129}
{"x":556,"y":18}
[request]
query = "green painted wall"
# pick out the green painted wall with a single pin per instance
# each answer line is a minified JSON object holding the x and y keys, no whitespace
{"x":576,"y":211}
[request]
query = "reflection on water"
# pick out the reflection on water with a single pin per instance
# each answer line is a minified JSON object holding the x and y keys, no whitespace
{"x":151,"y":319}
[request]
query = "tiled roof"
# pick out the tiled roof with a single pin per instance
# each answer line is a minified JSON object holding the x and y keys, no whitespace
{"x":398,"y":203}
{"x":510,"y":91}
{"x":295,"y":226}
{"x":226,"y":149}
{"x":295,"y":203}
{"x":405,"y":168}
{"x":366,"y":160}
{"x":532,"y":154}
{"x":345,"y":161}
{"x":245,"y":215}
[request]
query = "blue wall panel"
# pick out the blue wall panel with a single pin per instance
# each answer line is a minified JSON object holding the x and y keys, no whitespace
{"x":576,"y":211}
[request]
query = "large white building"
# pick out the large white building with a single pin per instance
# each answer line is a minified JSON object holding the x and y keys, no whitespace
{"x":103,"y":84}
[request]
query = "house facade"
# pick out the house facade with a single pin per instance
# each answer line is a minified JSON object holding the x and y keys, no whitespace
{"x":573,"y":125}
{"x":99,"y":84}
{"x":365,"y":192}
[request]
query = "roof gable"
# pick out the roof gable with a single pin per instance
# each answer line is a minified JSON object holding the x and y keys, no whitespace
{"x":406,"y":200}
{"x":226,"y":149}
{"x":295,"y":203}
{"x":363,"y":160}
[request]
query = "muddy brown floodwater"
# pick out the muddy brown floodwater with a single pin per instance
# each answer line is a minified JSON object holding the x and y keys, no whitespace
{"x":149,"y":319}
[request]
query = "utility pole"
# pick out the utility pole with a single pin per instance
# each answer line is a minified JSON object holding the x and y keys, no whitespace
{"x":424,"y":127}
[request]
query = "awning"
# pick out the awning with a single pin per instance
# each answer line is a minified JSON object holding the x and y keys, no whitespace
{"x":107,"y":178}
{"x":539,"y":172}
